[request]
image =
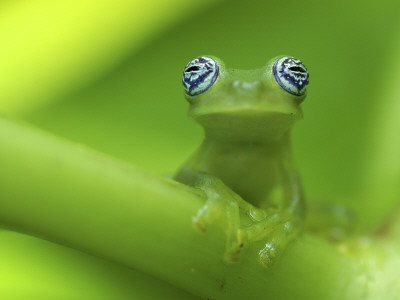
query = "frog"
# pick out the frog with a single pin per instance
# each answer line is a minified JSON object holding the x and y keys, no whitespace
{"x":244,"y":167}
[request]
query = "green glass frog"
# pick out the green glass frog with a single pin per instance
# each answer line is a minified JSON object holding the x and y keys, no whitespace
{"x":244,"y":166}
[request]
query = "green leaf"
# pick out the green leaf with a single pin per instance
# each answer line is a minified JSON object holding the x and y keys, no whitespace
{"x":50,"y":48}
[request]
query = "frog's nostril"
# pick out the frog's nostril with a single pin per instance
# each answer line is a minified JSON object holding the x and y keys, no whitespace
{"x":297,"y":69}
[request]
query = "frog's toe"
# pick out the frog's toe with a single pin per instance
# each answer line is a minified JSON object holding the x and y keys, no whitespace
{"x":234,"y":247}
{"x":232,"y":257}
{"x":269,"y":254}
{"x":277,"y":240}
{"x":207,"y":215}
{"x":200,"y":224}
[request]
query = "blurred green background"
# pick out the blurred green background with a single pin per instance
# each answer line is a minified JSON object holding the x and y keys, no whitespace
{"x":118,"y":89}
{"x":107,"y":74}
{"x":100,"y":76}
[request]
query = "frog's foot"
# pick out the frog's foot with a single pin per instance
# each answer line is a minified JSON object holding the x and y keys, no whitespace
{"x":226,"y":207}
{"x":277,"y":230}
{"x":227,"y":213}
{"x":222,"y":205}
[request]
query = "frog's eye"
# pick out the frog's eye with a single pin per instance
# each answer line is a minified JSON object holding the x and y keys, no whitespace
{"x":199,"y":75}
{"x":291,"y":74}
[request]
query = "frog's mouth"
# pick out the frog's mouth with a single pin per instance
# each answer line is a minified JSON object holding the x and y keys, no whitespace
{"x":247,"y":104}
{"x":248,"y":125}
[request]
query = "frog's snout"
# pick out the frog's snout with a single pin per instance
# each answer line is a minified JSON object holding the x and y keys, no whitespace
{"x":247,"y":87}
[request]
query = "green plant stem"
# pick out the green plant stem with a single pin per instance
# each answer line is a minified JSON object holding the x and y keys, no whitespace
{"x":33,"y":268}
{"x":72,"y":195}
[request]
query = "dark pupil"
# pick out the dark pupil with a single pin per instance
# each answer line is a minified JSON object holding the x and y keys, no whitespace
{"x":297,"y":69}
{"x":192,"y":69}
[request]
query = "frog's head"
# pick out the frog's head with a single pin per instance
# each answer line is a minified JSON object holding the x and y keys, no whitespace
{"x":237,"y":104}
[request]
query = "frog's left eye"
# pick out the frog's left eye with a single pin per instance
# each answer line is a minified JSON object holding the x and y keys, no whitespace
{"x":199,"y":75}
{"x":291,"y":74}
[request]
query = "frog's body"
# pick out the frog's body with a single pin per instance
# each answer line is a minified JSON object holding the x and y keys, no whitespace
{"x":244,"y":164}
{"x":257,"y":172}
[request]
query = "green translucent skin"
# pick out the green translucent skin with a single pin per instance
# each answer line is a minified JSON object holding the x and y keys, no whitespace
{"x":244,"y":165}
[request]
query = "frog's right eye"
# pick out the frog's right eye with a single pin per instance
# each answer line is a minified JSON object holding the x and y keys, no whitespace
{"x":199,"y":75}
